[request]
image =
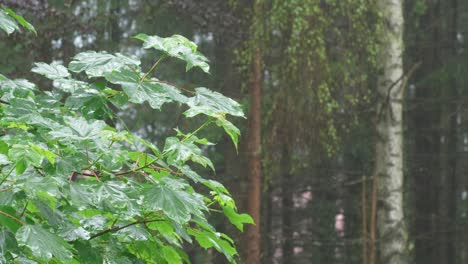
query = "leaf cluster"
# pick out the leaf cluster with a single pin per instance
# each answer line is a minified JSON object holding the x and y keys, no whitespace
{"x":75,"y":189}
{"x":10,"y":21}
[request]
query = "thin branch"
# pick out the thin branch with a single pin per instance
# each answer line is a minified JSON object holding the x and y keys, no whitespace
{"x":153,"y":67}
{"x":95,"y":175}
{"x":118,"y":228}
{"x":172,"y":84}
{"x":166,"y":170}
{"x":134,"y":71}
{"x":135,"y":170}
{"x":138,"y":161}
{"x":410,"y":73}
{"x":4,"y":102}
{"x":209,"y":121}
{"x":6,"y":189}
{"x":7,"y":175}
{"x":112,"y":95}
{"x":95,"y":161}
{"x":12,"y":217}
{"x":115,"y":222}
{"x":404,"y":80}
{"x":38,"y":169}
{"x":85,"y":172}
{"x":24,"y":209}
{"x":151,"y":179}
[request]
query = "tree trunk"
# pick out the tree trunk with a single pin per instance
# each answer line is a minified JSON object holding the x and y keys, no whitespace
{"x":424,"y":115}
{"x":253,"y":242}
{"x":391,"y":227}
{"x":340,"y":216}
{"x":268,"y":229}
{"x":287,"y":207}
{"x":448,"y":138}
{"x":461,"y":238}
{"x":446,"y":184}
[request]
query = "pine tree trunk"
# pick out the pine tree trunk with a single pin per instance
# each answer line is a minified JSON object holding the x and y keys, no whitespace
{"x":340,"y":256}
{"x":391,"y":227}
{"x":448,"y":139}
{"x":424,"y":114}
{"x":287,"y":207}
{"x":461,"y":237}
{"x":254,"y":166}
{"x":446,"y":186}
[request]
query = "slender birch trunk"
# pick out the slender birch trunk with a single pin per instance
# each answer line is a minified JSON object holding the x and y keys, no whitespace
{"x":391,"y":227}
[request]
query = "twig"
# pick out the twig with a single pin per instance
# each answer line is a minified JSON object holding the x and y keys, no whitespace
{"x":151,"y":179}
{"x":38,"y":169}
{"x":138,"y":161}
{"x":134,"y":71}
{"x":95,"y":161}
{"x":153,"y":67}
{"x":410,"y":73}
{"x":172,"y":84}
{"x":7,"y":175}
{"x":404,"y":80}
{"x":6,"y":189}
{"x":118,"y":228}
{"x":209,"y":121}
{"x":135,"y":170}
{"x":24,"y":209}
{"x":115,"y":222}
{"x":95,"y":175}
{"x":12,"y":217}
{"x":166,"y":170}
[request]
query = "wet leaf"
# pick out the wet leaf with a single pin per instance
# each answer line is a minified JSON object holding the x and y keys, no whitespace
{"x":43,"y":244}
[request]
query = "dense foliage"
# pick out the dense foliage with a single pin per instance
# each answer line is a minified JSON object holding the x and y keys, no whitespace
{"x":74,"y":188}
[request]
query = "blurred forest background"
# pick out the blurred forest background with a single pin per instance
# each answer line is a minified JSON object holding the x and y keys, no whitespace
{"x":307,"y":72}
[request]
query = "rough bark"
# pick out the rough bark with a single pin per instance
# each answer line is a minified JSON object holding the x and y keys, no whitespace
{"x":392,"y":233}
{"x":254,"y":165}
{"x":253,"y":244}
